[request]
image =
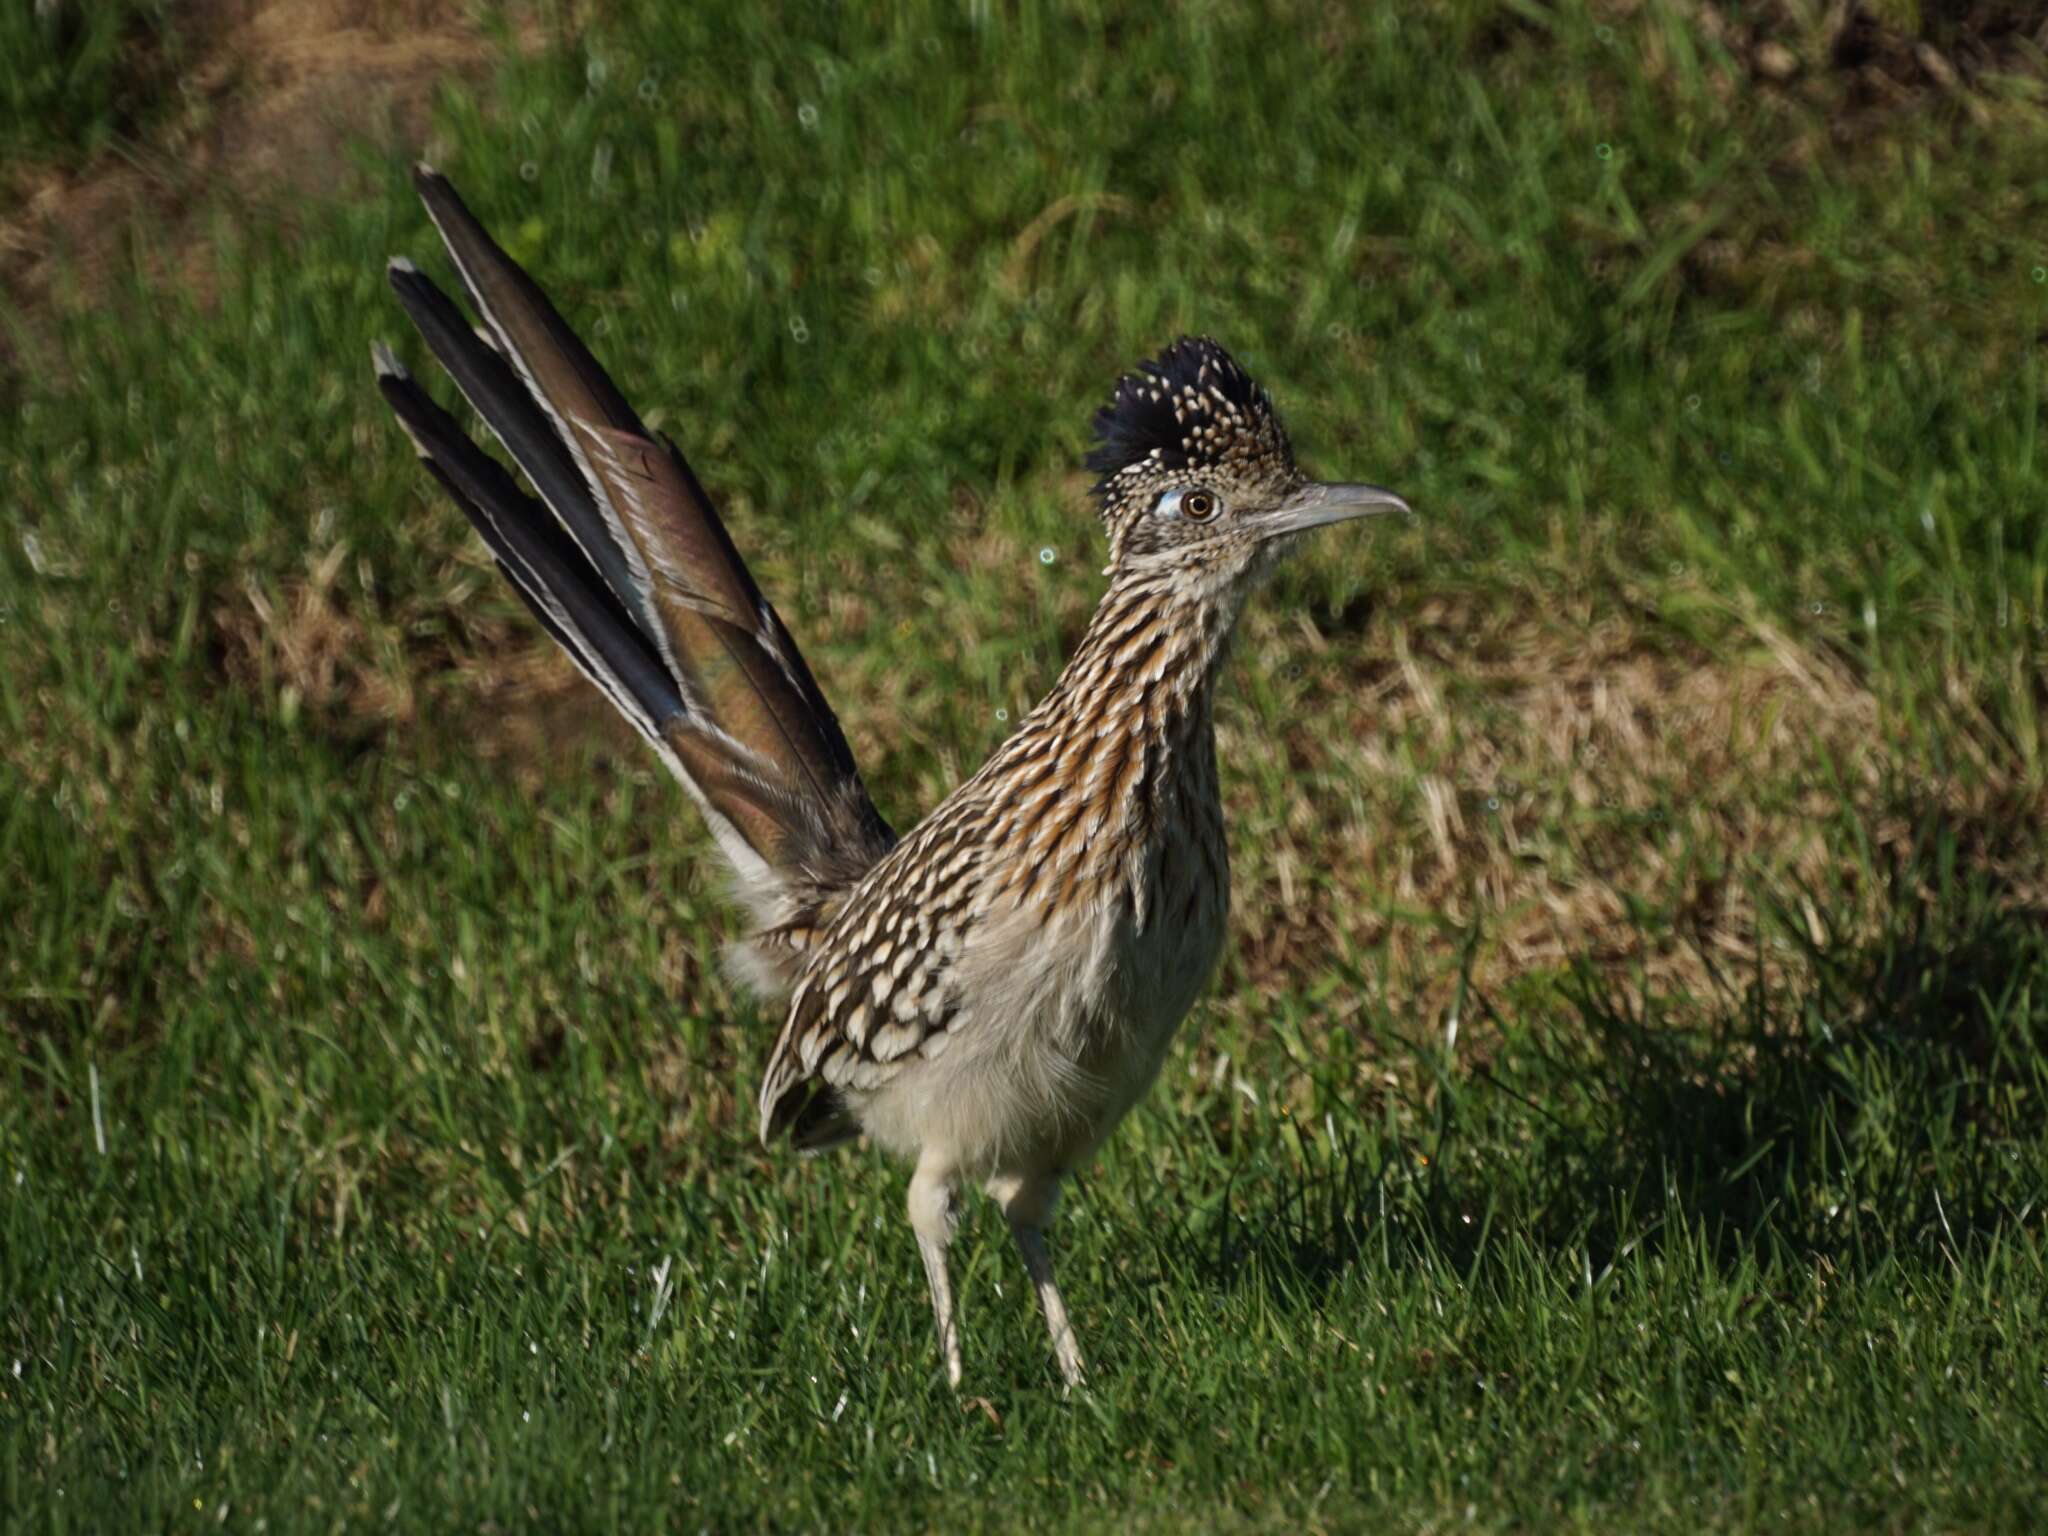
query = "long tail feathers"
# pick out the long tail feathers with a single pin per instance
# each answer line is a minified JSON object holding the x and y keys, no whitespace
{"x":626,"y":564}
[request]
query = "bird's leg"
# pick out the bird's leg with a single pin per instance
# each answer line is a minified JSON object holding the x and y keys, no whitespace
{"x":1027,"y":1206}
{"x":932,"y":1217}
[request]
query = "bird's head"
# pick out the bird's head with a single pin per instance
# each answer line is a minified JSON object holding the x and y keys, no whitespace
{"x":1198,"y":478}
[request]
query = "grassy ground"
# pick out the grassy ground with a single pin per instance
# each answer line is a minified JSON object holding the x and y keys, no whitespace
{"x":1624,"y":1103}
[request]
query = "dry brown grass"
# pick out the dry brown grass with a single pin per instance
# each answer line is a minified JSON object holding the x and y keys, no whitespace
{"x":320,"y":648}
{"x":1547,"y":776}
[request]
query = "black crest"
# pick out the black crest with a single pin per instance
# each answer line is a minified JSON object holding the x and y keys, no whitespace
{"x":1192,"y":406}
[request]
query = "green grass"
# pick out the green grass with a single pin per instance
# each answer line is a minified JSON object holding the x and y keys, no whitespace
{"x":77,"y":76}
{"x":365,"y":1052}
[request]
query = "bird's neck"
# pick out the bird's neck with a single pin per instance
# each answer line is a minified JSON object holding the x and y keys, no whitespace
{"x":1148,"y":662}
{"x":1121,"y":751}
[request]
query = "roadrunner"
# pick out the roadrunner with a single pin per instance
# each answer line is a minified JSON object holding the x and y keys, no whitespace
{"x":988,"y":996}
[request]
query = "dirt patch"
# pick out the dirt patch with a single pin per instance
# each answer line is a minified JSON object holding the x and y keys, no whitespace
{"x":1861,"y":62}
{"x":270,"y":95}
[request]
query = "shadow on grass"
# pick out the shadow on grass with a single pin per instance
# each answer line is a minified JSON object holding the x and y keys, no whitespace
{"x":1891,"y":1100}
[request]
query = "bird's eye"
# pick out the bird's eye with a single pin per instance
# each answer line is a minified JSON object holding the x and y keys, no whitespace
{"x":1199,"y":505}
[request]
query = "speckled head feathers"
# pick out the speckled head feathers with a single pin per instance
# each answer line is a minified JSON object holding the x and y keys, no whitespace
{"x":1191,"y":409}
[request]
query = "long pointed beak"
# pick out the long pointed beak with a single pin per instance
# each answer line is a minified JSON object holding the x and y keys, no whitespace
{"x":1321,"y":502}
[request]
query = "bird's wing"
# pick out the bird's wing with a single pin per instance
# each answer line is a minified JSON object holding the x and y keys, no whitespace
{"x":625,"y":562}
{"x":881,"y":991}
